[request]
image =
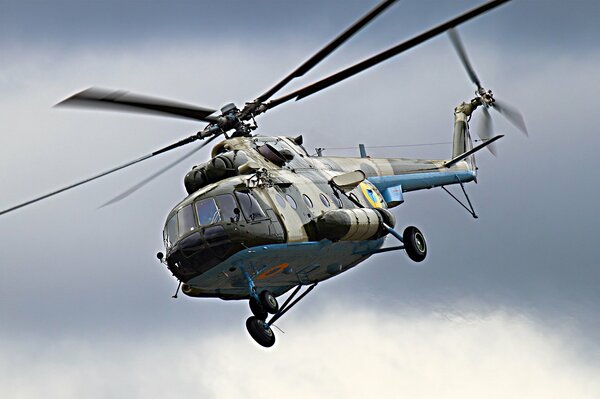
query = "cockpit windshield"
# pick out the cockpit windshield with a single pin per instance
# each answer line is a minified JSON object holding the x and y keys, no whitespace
{"x":250,"y":207}
{"x":171,"y":232}
{"x":227,"y":205}
{"x":207,"y":212}
{"x":221,"y":209}
{"x":185,"y":217}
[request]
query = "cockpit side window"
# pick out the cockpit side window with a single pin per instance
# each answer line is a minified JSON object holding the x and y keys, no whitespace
{"x":250,"y":207}
{"x":171,"y":232}
{"x":227,"y":205}
{"x":207,"y":211}
{"x":185,"y":217}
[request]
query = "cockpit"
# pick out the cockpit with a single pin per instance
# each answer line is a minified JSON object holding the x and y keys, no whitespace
{"x":210,"y":228}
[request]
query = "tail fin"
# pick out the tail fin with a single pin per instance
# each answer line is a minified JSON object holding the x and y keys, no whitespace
{"x":462,"y":142}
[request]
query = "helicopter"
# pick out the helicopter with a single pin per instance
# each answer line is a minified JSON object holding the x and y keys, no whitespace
{"x":263,"y":217}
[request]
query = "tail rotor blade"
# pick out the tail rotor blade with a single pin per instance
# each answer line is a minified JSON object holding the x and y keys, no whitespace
{"x":485,"y":129}
{"x":464,"y":59}
{"x":512,"y":115}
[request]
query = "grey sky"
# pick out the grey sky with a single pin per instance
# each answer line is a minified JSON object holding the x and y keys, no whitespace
{"x":86,"y":279}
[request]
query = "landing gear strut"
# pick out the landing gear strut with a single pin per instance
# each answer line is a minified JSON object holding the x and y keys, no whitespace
{"x":261,"y":305}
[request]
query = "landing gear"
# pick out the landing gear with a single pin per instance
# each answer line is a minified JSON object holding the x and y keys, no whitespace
{"x":268,"y":302}
{"x":414,"y":243}
{"x":260,"y":331}
{"x":257,"y":309}
{"x":264,"y":304}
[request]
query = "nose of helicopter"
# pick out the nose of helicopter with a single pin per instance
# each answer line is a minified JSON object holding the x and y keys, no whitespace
{"x":199,"y":251}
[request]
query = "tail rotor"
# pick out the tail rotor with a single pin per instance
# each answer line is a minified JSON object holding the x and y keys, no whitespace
{"x":485,"y":126}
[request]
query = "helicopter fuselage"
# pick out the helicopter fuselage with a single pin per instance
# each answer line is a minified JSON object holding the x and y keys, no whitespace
{"x":280,"y":221}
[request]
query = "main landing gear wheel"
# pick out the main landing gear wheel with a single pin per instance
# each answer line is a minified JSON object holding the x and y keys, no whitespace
{"x":260,"y":331}
{"x":257,"y":309}
{"x":414,"y":243}
{"x":268,"y":302}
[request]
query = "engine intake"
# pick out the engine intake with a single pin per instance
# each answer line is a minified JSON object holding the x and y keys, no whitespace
{"x":218,"y":168}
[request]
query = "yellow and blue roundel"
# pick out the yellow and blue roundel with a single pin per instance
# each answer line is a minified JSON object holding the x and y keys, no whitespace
{"x":371,"y":194}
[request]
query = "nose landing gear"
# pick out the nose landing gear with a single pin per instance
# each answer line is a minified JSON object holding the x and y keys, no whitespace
{"x":263,"y":304}
{"x":260,"y":331}
{"x":257,"y":309}
{"x":268,"y":302}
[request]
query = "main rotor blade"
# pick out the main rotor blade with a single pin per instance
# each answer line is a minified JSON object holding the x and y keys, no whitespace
{"x":512,"y":115}
{"x":153,"y":176}
{"x":462,"y":54}
{"x":328,"y":49}
{"x":124,"y":101}
{"x":378,"y":58}
{"x":160,"y":151}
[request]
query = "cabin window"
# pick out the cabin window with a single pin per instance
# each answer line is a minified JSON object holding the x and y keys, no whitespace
{"x":307,"y":200}
{"x":227,"y":206}
{"x":250,"y":207}
{"x":171,"y":232}
{"x":291,"y":201}
{"x":207,"y":211}
{"x":280,"y":200}
{"x":324,"y":200}
{"x":186,"y":220}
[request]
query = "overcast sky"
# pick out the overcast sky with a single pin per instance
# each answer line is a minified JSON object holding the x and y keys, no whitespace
{"x":504,"y":305}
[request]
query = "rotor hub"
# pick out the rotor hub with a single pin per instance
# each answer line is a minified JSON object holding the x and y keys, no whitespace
{"x":486,"y":97}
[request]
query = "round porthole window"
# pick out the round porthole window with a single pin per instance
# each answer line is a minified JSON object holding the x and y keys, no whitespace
{"x":280,"y":200}
{"x":307,"y":200}
{"x":324,"y":200}
{"x":291,"y":201}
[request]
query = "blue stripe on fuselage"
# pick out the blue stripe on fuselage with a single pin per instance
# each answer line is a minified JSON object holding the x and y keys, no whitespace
{"x":419,"y":181}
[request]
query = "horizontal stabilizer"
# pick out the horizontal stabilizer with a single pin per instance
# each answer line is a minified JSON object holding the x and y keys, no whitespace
{"x":472,"y":151}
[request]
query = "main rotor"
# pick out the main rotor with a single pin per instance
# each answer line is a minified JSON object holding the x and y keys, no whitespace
{"x":241,"y":121}
{"x":235,"y":122}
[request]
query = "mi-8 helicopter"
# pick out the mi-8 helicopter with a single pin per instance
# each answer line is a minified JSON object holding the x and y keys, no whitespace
{"x":263,"y":217}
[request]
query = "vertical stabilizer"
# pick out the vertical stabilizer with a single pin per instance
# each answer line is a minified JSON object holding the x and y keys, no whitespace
{"x":462,"y":142}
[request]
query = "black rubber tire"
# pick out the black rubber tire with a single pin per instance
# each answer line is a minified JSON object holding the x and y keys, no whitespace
{"x":269,"y":302}
{"x":257,"y":309}
{"x":263,"y":336}
{"x":414,"y":244}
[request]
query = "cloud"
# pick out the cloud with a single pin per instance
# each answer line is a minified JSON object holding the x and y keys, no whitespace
{"x":338,"y":354}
